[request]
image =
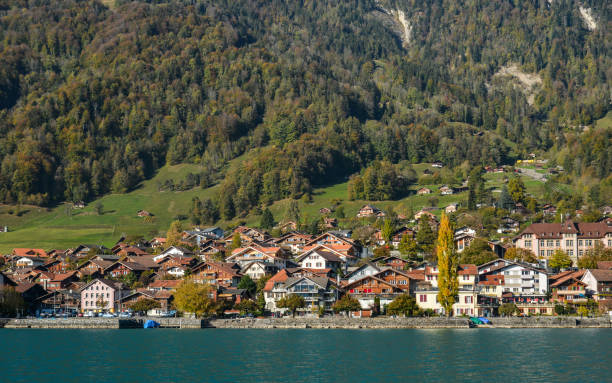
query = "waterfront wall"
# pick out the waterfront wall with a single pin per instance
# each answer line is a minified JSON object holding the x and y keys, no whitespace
{"x":550,"y":322}
{"x":336,"y":322}
{"x":340,"y":322}
{"x":101,"y":323}
{"x":425,"y":323}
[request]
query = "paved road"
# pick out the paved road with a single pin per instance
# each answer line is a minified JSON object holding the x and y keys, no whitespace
{"x":533,"y":174}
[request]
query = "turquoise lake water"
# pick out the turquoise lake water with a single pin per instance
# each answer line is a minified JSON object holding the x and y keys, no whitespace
{"x":168,"y":355}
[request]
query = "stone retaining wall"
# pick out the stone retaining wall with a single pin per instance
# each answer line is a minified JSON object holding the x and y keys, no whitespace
{"x":101,"y":323}
{"x":550,"y":322}
{"x":65,"y":323}
{"x":300,"y":322}
{"x":375,"y":323}
{"x":340,"y":322}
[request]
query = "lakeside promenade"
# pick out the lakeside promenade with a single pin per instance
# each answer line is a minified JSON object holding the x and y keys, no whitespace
{"x":337,"y":322}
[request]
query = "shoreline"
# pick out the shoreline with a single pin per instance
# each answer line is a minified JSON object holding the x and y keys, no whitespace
{"x":337,"y":322}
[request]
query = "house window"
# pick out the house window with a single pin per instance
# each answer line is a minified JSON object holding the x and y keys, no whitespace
{"x":528,"y":243}
{"x":466,"y":277}
{"x":580,"y":242}
{"x":541,"y":253}
{"x":569,"y":242}
{"x":422,"y":298}
{"x":468,"y":299}
{"x":549,"y":243}
{"x":570,"y":253}
{"x":557,"y":243}
{"x":541,"y":243}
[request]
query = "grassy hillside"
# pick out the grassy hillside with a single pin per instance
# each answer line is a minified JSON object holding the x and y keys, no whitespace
{"x":63,"y":226}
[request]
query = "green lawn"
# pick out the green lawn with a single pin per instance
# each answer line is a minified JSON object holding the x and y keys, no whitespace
{"x":57,"y":228}
{"x":61,"y":227}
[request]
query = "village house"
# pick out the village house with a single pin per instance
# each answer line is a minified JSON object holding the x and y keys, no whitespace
{"x":446,"y":190}
{"x":29,"y":261}
{"x":173,"y":251}
{"x":84,"y":250}
{"x":356,"y":273}
{"x":393,"y":261}
{"x":396,"y":238}
{"x":370,"y":211}
{"x":321,"y":259}
{"x":508,"y":225}
{"x":452,"y":208}
{"x":101,"y":295}
{"x":574,"y":238}
{"x":569,"y":288}
{"x":176,"y":265}
{"x":256,"y":270}
{"x":549,"y":210}
{"x":157,"y":242}
{"x":217,"y":273}
{"x":520,"y":279}
{"x":318,"y":293}
{"x":93,"y":267}
{"x":467,"y":300}
{"x":272,"y":255}
{"x":345,"y":252}
{"x":122,"y":268}
{"x":59,"y":300}
{"x":165,"y":284}
{"x":423,"y":191}
{"x":598,"y":283}
{"x":292,"y":241}
{"x":330,"y":223}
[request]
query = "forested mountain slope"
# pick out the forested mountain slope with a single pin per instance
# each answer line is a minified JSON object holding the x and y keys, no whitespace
{"x":95,"y":98}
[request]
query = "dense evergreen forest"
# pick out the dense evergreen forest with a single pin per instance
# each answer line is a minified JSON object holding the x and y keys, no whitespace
{"x":96,"y":96}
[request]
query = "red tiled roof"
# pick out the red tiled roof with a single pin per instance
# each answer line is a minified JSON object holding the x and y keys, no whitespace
{"x":491,"y":280}
{"x":27,"y":252}
{"x":169,"y":284}
{"x":468,"y":269}
{"x":604,"y":265}
{"x":281,"y":276}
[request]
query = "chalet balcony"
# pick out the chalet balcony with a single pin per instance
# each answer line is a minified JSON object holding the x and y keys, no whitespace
{"x":571,"y":292}
{"x":372,"y":295}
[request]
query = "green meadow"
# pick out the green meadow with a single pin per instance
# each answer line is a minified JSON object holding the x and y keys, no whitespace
{"x":63,"y":226}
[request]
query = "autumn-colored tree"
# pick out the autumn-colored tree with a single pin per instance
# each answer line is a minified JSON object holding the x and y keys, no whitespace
{"x":194,"y":298}
{"x":144,"y":305}
{"x":560,"y":260}
{"x":174,"y":234}
{"x":292,"y":302}
{"x":520,"y":254}
{"x":346,"y":304}
{"x":236,"y":241}
{"x":448,"y":284}
{"x":404,"y":305}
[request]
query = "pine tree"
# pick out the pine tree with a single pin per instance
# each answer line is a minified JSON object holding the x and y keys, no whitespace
{"x":448,"y":284}
{"x":267,"y":219}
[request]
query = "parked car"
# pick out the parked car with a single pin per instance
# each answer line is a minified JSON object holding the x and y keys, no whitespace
{"x":108,"y":315}
{"x":90,"y":314}
{"x":125,"y":314}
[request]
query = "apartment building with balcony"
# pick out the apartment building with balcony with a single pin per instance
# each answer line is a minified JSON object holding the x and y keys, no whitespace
{"x":519,"y":279}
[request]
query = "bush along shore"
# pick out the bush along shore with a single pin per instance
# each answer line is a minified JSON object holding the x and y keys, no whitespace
{"x":337,"y":322}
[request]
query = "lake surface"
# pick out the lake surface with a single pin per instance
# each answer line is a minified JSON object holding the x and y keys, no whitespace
{"x":230,"y":355}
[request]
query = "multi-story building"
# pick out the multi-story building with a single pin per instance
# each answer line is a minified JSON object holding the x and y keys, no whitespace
{"x":574,"y":238}
{"x":520,"y":279}
{"x":467,"y":298}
